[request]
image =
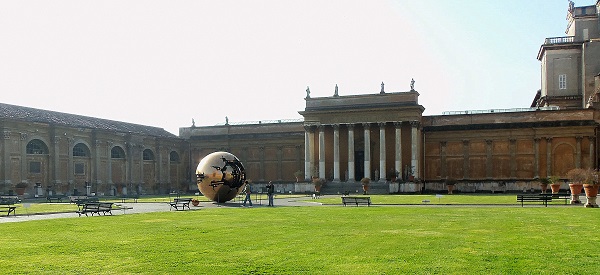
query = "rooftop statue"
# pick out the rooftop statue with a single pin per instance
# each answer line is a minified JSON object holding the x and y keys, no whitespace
{"x":412,"y":84}
{"x":307,"y":92}
{"x":382,"y":90}
{"x":336,"y":91}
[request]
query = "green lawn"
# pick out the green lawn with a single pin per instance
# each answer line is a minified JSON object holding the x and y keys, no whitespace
{"x":465,"y":199}
{"x":311,"y":240}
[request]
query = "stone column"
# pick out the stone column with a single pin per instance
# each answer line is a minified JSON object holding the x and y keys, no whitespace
{"x":398,"y":155}
{"x":367,"y":133}
{"x":414,"y":148}
{"x":262,"y":162}
{"x":382,"y":152}
{"x":489,"y":168}
{"x":70,"y":170}
{"x":548,"y":156}
{"x":56,"y":161}
{"x":336,"y":152}
{"x":109,"y":146}
{"x":321,"y":151}
{"x":536,"y":158}
{"x":129,"y":164}
{"x":158,"y":165}
{"x":141,"y":155}
{"x":308,"y":155}
{"x":513,"y":157}
{"x":351,"y":173}
{"x":443,"y":166}
{"x":279,"y":163}
{"x":466,"y":166}
{"x":6,"y":157}
{"x":592,"y":152}
{"x":24,"y":165}
{"x":96,"y":165}
{"x":578,"y":152}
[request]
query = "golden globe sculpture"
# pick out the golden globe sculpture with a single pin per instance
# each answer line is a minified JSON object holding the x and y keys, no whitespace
{"x":220,"y":176}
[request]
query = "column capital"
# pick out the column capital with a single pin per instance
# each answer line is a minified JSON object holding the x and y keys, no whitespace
{"x":512,"y":140}
{"x":415,"y":124}
{"x":381,"y":124}
{"x":366,"y":125}
{"x":578,"y":138}
{"x":398,"y":124}
{"x":465,"y":142}
{"x":109,"y":143}
{"x":309,"y":128}
{"x":489,"y":141}
{"x":6,"y":134}
{"x":23,"y":136}
{"x":336,"y":127}
{"x":56,"y":139}
{"x":536,"y":139}
{"x":350,"y":126}
{"x":591,"y":138}
{"x":443,"y":143}
{"x":548,"y":139}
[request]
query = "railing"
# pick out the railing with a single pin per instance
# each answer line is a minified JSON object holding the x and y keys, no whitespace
{"x":559,"y":40}
{"x":491,"y":111}
{"x":263,"y":122}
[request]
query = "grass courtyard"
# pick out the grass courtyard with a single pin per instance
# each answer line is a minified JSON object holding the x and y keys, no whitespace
{"x":311,"y":240}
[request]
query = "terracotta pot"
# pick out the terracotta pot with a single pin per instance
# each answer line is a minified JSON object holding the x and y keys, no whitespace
{"x":20,"y":191}
{"x":575,"y":192}
{"x":365,"y":189}
{"x":318,"y":188}
{"x":555,"y":188}
{"x":591,"y":193}
{"x":544,"y":187}
{"x":195,"y":202}
{"x":450,"y":189}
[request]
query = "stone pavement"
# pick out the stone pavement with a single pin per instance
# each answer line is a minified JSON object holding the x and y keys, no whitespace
{"x":145,"y":207}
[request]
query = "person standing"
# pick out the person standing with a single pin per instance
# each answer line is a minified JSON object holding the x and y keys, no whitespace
{"x":270,"y":192}
{"x":248,"y":193}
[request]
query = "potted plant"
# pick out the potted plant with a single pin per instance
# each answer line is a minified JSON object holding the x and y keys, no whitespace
{"x":591,"y":189}
{"x":20,"y":188}
{"x":365,"y":184}
{"x":450,"y":182}
{"x":318,"y":183}
{"x":577,"y":177}
{"x":553,"y":182}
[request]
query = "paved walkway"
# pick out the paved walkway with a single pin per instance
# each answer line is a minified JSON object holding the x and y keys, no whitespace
{"x":145,"y":207}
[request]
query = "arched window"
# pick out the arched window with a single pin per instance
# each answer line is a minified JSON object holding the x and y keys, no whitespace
{"x":37,"y":147}
{"x":174,"y":157}
{"x":81,"y":150}
{"x":148,"y":155}
{"x":117,"y":153}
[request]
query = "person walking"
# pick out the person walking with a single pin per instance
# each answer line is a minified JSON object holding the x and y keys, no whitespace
{"x":248,"y":193}
{"x":270,"y":192}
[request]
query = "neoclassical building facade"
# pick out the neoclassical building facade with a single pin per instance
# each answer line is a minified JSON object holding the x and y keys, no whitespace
{"x":46,"y":151}
{"x":382,"y":136}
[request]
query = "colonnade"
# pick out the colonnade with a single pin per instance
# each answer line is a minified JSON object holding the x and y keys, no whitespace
{"x":312,"y":161}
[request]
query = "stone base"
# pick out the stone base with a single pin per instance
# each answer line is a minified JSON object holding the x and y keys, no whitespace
{"x":591,"y":202}
{"x":575,"y":199}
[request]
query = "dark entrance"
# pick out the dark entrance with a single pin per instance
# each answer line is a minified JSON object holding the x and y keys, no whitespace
{"x":359,"y":165}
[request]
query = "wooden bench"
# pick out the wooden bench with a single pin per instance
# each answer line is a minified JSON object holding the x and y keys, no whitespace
{"x":54,"y":198}
{"x":95,"y":208}
{"x":8,"y":209}
{"x":356,"y":200}
{"x":132,"y":197}
{"x":544,"y":198}
{"x":180,"y":203}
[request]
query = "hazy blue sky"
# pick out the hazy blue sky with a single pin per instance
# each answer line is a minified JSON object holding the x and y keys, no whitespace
{"x":162,"y":63}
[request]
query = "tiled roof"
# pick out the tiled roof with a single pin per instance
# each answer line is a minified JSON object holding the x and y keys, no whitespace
{"x":43,"y":116}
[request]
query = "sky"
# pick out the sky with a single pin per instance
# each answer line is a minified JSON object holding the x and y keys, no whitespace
{"x":164,"y":63}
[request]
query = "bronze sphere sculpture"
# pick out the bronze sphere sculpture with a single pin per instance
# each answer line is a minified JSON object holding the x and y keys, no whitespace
{"x":220,"y":176}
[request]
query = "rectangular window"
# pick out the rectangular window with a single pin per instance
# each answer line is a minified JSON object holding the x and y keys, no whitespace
{"x":79,"y":169}
{"x":35,"y":167}
{"x":562,"y":82}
